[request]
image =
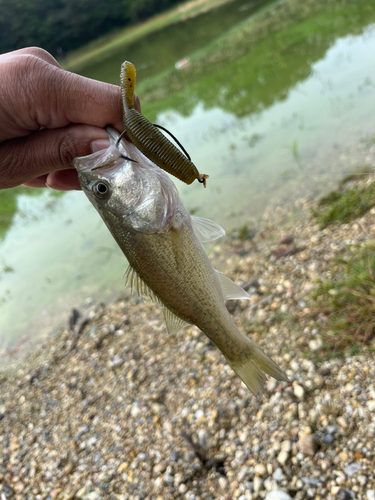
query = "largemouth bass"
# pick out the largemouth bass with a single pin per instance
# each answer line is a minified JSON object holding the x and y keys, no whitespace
{"x":163,"y":244}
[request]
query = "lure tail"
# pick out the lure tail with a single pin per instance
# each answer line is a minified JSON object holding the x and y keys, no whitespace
{"x":128,"y":76}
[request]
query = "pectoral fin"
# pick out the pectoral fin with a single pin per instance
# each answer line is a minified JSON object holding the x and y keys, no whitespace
{"x":173,"y":322}
{"x":205,"y":229}
{"x":230,"y":290}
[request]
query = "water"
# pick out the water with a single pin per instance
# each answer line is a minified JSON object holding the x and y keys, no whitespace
{"x":269,"y":122}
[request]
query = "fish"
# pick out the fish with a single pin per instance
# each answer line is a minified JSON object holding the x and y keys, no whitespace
{"x":148,"y":139}
{"x":142,"y":209}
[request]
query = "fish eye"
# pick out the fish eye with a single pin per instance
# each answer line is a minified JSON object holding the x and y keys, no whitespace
{"x":100,"y":189}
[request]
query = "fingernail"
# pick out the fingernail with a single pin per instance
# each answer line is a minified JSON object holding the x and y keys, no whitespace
{"x":99,"y":144}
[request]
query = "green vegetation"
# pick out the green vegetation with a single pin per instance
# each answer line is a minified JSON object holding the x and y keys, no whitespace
{"x":344,"y":205}
{"x":63,"y":25}
{"x":347,"y":303}
{"x":106,"y":46}
{"x":255,"y":64}
{"x":9,"y":204}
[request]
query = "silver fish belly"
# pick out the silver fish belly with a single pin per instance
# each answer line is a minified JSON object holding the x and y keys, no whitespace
{"x":163,"y":244}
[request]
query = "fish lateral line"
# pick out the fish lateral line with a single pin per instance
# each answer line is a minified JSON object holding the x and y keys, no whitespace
{"x":147,"y":138}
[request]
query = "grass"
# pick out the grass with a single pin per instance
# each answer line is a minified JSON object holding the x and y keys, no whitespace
{"x":346,"y":304}
{"x":98,"y":49}
{"x":345,"y":204}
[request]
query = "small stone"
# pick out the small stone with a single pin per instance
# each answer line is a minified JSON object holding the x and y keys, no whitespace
{"x":315,"y":344}
{"x":158,"y":484}
{"x":299,"y":391}
{"x":202,"y":438}
{"x":342,"y":422}
{"x":278,"y":495}
{"x":223,"y":483}
{"x":362,"y":479}
{"x":212,"y":355}
{"x":56,"y":492}
{"x":352,"y":469}
{"x":182,"y":488}
{"x":160,"y":468}
{"x":80,"y":493}
{"x":94,"y":495}
{"x":308,"y":444}
{"x":344,"y":495}
{"x":286,"y":445}
{"x":199,"y":414}
{"x":135,"y":411}
{"x":260,"y":470}
{"x":371,"y":407}
{"x":343,"y":456}
{"x":282,"y":457}
{"x":258,"y":483}
{"x":278,"y":474}
{"x":157,"y":408}
{"x":370,"y":494}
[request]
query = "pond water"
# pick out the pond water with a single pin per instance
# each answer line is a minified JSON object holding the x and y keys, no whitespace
{"x":286,"y":115}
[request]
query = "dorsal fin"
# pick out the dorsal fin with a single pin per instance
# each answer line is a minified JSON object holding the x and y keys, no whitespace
{"x":173,"y":322}
{"x":230,"y":290}
{"x":205,"y":229}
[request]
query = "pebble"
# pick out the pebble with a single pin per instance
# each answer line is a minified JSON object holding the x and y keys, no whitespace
{"x":94,"y":495}
{"x":278,"y":495}
{"x":308,"y":444}
{"x":260,"y":470}
{"x":257,"y":484}
{"x":282,"y":457}
{"x":298,"y":391}
{"x":114,"y":428}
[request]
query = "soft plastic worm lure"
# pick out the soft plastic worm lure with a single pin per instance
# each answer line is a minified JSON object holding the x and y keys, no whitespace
{"x":149,"y":140}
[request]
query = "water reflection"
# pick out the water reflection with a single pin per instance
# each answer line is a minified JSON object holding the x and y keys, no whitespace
{"x":270,"y":124}
{"x":159,"y":50}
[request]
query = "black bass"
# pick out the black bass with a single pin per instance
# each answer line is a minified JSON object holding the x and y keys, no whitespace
{"x":163,"y":244}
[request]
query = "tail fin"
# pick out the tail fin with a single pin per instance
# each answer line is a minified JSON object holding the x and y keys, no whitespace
{"x":252,"y":366}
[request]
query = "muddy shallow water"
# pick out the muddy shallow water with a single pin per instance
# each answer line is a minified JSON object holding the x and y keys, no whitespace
{"x":289,"y":115}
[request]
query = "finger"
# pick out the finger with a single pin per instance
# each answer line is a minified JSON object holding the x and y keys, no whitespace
{"x":63,"y":180}
{"x":73,"y":98}
{"x":38,"y":182}
{"x":45,"y":151}
{"x":37,"y":52}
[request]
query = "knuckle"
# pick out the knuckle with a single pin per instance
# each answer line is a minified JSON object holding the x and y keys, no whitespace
{"x":67,"y":148}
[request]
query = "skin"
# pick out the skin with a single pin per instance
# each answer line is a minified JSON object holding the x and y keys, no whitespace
{"x":49,"y":116}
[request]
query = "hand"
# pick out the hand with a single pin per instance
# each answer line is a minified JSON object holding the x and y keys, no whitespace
{"x":48,"y":116}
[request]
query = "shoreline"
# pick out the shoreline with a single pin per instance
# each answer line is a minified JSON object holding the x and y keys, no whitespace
{"x":107,"y":408}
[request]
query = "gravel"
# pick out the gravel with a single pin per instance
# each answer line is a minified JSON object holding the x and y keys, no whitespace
{"x":117,"y":409}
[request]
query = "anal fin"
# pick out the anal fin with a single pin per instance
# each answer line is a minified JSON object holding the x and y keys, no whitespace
{"x":173,"y":322}
{"x":230,"y":290}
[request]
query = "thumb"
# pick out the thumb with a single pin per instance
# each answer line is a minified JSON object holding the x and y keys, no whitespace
{"x":48,"y":150}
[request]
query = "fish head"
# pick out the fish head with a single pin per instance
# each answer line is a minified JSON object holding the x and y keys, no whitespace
{"x":126,"y":188}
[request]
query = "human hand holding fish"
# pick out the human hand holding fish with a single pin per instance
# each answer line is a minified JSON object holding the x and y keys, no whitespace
{"x":48,"y":116}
